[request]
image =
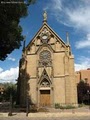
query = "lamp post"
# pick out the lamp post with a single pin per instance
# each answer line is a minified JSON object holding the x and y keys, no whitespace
{"x":11,"y":102}
{"x":27,"y":106}
{"x":2,"y":95}
{"x":10,"y":112}
{"x":88,"y":92}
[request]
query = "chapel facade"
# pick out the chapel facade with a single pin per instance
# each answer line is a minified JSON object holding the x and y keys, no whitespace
{"x":46,"y":71}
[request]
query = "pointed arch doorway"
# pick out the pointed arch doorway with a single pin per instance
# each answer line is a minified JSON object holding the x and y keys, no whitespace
{"x":45,"y":93}
{"x":44,"y":90}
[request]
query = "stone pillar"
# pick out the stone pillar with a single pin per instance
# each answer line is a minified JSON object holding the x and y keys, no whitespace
{"x":73,"y":81}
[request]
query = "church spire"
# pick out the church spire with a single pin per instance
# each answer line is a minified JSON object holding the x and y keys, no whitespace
{"x":67,"y":38}
{"x":45,"y":16}
{"x":24,"y":41}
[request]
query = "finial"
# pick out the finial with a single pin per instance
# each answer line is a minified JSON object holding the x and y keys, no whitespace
{"x":45,"y":16}
{"x":67,"y":38}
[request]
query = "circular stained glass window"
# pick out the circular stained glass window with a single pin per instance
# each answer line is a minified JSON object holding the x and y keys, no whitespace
{"x":45,"y":55}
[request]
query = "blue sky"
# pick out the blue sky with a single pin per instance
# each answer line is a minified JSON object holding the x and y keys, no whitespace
{"x":63,"y":15}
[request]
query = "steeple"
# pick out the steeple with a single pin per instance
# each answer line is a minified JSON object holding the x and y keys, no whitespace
{"x":68,"y":43}
{"x":67,"y":38}
{"x":45,"y":16}
{"x":24,"y":41}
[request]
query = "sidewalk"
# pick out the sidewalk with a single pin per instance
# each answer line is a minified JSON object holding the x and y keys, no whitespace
{"x":47,"y":114}
{"x":60,"y":114}
{"x":51,"y":112}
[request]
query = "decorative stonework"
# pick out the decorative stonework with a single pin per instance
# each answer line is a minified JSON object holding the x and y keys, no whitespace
{"x":45,"y":55}
{"x":45,"y":63}
{"x":45,"y":35}
{"x":44,"y":76}
{"x":45,"y":83}
{"x":45,"y":58}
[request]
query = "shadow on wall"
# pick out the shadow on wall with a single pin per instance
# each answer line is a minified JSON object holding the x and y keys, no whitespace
{"x":23,"y":83}
{"x":28,"y":103}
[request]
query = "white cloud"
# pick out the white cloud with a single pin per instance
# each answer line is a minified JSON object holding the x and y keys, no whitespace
{"x":72,"y":13}
{"x":83,"y":63}
{"x":57,"y":5}
{"x":1,"y":70}
{"x":86,"y":1}
{"x":11,"y":58}
{"x":9,"y":75}
{"x":81,"y":67}
{"x":80,"y":17}
{"x":75,"y":14}
{"x":85,"y":43}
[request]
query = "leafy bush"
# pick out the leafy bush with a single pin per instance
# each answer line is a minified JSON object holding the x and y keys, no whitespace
{"x":57,"y":105}
{"x":10,"y":89}
{"x":69,"y":107}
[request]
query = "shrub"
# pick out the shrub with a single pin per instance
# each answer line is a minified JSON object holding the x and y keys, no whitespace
{"x":58,"y":106}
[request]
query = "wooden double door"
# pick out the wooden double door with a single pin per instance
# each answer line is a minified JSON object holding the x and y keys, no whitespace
{"x":45,"y":98}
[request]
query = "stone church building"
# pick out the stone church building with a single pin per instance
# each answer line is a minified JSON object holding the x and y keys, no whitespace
{"x":46,"y":71}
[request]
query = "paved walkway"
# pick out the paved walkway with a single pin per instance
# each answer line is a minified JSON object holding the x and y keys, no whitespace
{"x":51,"y":113}
{"x":47,"y":114}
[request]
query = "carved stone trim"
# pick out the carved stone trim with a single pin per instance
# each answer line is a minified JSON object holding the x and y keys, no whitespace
{"x":45,"y":83}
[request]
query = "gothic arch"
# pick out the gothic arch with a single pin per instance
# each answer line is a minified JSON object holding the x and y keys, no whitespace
{"x":44,"y":79}
{"x":45,"y":83}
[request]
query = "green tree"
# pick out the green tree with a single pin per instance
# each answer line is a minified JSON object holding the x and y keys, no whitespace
{"x":10,"y":89}
{"x":82,"y":89}
{"x":10,"y":30}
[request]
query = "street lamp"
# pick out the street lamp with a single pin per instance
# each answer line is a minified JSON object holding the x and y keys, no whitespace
{"x":11,"y":103}
{"x":2,"y":95}
{"x":10,"y":111}
{"x":27,"y":106}
{"x":88,"y":92}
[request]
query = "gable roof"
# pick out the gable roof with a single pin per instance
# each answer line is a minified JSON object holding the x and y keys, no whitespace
{"x":46,"y":25}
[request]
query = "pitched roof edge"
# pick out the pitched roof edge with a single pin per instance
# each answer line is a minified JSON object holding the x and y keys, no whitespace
{"x":50,"y":29}
{"x":55,"y":33}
